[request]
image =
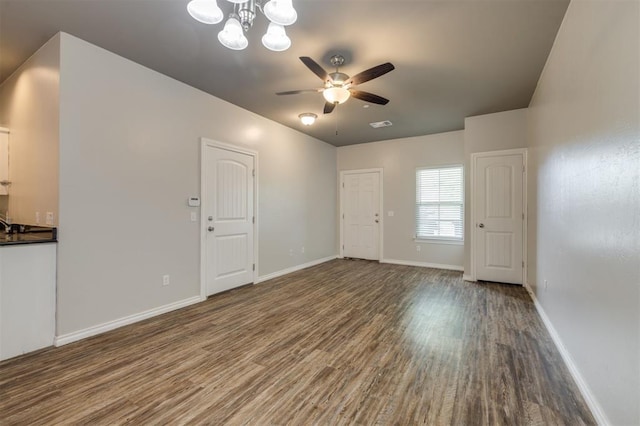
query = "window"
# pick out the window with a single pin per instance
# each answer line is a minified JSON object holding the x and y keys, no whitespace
{"x":440,"y":203}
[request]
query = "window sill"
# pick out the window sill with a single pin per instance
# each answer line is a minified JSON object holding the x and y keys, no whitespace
{"x":438,"y":241}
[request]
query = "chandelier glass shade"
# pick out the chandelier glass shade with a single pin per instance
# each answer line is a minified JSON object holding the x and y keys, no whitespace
{"x":279,"y":12}
{"x":205,"y":11}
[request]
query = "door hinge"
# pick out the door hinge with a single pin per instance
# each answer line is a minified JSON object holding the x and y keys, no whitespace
{"x":522,"y":216}
{"x":254,"y":266}
{"x":253,"y":172}
{"x":343,"y":184}
{"x":523,"y":263}
{"x":523,"y":168}
{"x":253,"y":220}
{"x":343,"y":215}
{"x":343,"y":247}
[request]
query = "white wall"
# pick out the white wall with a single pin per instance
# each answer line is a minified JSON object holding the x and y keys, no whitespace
{"x":399,"y":158}
{"x":483,"y":133}
{"x":129,"y":159}
{"x":584,"y":199}
{"x":29,"y":107}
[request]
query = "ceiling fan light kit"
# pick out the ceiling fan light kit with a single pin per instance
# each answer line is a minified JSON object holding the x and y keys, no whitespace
{"x":279,"y":12}
{"x":339,"y":87}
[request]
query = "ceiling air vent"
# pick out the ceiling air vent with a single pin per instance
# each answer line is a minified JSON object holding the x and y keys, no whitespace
{"x":378,"y":124}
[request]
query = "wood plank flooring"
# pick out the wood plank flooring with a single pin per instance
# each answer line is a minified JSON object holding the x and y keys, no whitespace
{"x":345,"y":342}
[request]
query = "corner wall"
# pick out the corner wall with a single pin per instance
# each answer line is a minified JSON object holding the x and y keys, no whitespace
{"x":30,"y":108}
{"x":584,"y":200}
{"x":130,"y":158}
{"x":399,"y":158}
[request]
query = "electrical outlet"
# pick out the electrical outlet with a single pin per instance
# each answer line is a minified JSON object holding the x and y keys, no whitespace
{"x":546,"y":284}
{"x":194,"y":216}
{"x":37,"y":218}
{"x":165,"y":280}
{"x":302,"y":249}
{"x":49,"y":218}
{"x":418,"y":248}
{"x":390,"y":213}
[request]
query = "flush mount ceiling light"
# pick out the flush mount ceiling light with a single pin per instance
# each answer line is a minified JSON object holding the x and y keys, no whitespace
{"x":308,"y":118}
{"x":232,"y":36}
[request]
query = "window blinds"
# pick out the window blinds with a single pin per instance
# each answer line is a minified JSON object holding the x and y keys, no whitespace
{"x":440,"y":203}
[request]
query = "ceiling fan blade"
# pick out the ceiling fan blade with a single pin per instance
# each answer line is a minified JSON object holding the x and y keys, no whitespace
{"x":372,"y":73}
{"x":295,"y":92}
{"x":328,"y":107}
{"x":315,"y":68}
{"x":368,"y":97}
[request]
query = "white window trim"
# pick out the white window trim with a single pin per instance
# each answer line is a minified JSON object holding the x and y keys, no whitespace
{"x":439,"y":239}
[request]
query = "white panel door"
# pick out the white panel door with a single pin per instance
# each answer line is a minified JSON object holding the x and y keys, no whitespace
{"x":229,"y":219}
{"x":499,"y":227}
{"x":361,"y":222}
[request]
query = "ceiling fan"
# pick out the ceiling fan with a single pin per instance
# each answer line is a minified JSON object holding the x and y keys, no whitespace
{"x":338,"y":87}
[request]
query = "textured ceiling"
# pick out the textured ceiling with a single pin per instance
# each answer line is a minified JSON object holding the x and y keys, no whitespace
{"x":453,"y":58}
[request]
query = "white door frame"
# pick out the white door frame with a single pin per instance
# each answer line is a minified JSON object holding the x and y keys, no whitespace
{"x":380,"y":171}
{"x":472,"y":224}
{"x":204,"y":143}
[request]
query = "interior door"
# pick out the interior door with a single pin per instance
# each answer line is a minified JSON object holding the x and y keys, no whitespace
{"x":361,"y":224}
{"x":499,"y":214}
{"x":229,"y":219}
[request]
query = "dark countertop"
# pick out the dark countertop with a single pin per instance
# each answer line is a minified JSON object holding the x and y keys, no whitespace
{"x":28,"y":235}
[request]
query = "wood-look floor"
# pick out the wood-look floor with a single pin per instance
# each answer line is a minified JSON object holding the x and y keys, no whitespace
{"x":346,"y":342}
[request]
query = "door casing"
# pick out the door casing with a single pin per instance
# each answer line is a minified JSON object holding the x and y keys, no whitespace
{"x":472,"y":224}
{"x":204,"y":143}
{"x":380,"y":171}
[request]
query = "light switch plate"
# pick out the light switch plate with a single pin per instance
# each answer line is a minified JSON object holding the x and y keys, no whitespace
{"x":194,"y":216}
{"x":49,"y":218}
{"x":390,"y":213}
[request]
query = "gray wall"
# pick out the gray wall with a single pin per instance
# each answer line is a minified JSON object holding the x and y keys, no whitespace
{"x":399,"y":158}
{"x":129,"y":159}
{"x":584,"y":199}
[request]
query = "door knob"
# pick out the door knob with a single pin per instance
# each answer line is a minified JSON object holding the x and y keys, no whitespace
{"x":481,"y":225}
{"x":210,"y":229}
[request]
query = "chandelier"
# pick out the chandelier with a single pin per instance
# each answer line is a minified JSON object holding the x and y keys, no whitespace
{"x":279,"y":12}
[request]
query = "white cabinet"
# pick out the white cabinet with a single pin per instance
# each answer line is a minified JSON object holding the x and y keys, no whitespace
{"x":4,"y":160}
{"x":27,"y":298}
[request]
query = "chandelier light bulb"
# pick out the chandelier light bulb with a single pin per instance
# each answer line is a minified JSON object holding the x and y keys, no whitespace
{"x":276,"y":38}
{"x":232,"y":35}
{"x":205,"y":11}
{"x":336,"y":95}
{"x":280,"y":12}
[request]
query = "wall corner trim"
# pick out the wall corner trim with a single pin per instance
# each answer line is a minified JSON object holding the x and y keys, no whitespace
{"x":590,"y":399}
{"x":112,"y":325}
{"x":424,"y":264}
{"x":293,"y":269}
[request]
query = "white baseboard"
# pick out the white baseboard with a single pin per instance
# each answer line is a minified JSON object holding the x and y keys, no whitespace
{"x":111,"y":325}
{"x":466,"y":277}
{"x":294,"y":269}
{"x":590,"y":399}
{"x":423,"y":264}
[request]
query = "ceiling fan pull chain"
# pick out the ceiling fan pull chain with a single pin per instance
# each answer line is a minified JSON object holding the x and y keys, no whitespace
{"x":336,"y":121}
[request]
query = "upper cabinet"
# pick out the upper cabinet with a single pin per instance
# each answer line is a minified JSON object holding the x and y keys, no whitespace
{"x":4,"y":161}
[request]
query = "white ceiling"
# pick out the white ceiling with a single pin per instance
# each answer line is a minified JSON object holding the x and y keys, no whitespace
{"x":453,"y":58}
